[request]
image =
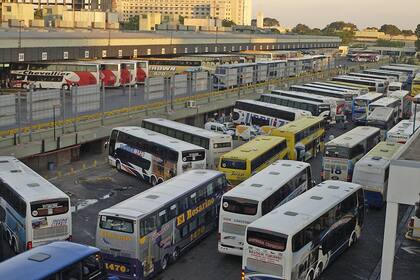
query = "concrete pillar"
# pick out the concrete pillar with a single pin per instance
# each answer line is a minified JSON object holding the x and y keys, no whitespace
{"x":388,"y":249}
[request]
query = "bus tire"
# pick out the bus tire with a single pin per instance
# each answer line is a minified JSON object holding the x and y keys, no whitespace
{"x":310,"y":275}
{"x":153,"y":180}
{"x":14,"y":246}
{"x":164,"y":262}
{"x":318,"y":270}
{"x":118,"y":165}
{"x":175,"y":254}
{"x":65,"y":87}
{"x":159,"y":181}
{"x":353,"y":239}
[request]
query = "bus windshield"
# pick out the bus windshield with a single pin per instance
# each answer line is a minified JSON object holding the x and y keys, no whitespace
{"x":240,"y":205}
{"x":337,"y":152}
{"x":49,"y":207}
{"x":116,"y":224}
{"x":234,"y":164}
{"x":360,"y":102}
{"x":189,"y":156}
{"x":268,"y":241}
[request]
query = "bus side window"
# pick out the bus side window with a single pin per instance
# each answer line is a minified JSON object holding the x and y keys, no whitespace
{"x":210,"y":189}
{"x":148,"y":225}
{"x":183,"y":205}
{"x":163,"y":217}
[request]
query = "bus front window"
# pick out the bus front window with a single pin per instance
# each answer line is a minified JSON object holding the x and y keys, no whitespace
{"x":189,"y":156}
{"x":49,"y":207}
{"x":116,"y":224}
{"x":337,"y":152}
{"x":240,"y":206}
{"x":360,"y":103}
{"x":233,"y":164}
{"x":268,"y":241}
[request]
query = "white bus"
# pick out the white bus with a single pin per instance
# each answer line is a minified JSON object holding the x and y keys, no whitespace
{"x":257,"y":113}
{"x":334,"y":88}
{"x":382,"y":118}
{"x":33,"y":211}
{"x":214,"y":143}
{"x":350,"y":87}
{"x":271,"y":187}
{"x":395,"y":86}
{"x":301,"y":238}
{"x":343,"y":152}
{"x":372,"y":172}
{"x":386,"y":79}
{"x":389,"y":102}
{"x":337,"y":105}
{"x":361,"y":106}
{"x":401,"y":77}
{"x":141,"y":236}
{"x":401,"y":132}
{"x":152,"y":156}
{"x":374,"y":85}
{"x":405,"y":102}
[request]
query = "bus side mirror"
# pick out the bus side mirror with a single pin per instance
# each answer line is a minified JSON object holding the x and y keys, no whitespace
{"x":106,"y":145}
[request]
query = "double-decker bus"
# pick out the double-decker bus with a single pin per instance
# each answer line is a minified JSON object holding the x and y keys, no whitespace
{"x":302,"y":237}
{"x":337,"y":105}
{"x":116,"y":73}
{"x":361,"y":106}
{"x":382,"y":118}
{"x":374,"y":85}
{"x":305,"y":137}
{"x":251,"y":157}
{"x":257,"y":113}
{"x":56,"y":261}
{"x":405,"y":102}
{"x":344,"y":151}
{"x":152,"y":156}
{"x":215,"y":144}
{"x":372,"y":172}
{"x":140,"y":236}
{"x":54,"y":75}
{"x":402,"y":131}
{"x":388,"y":102}
{"x":33,"y":211}
{"x":316,"y":108}
{"x":257,"y":196}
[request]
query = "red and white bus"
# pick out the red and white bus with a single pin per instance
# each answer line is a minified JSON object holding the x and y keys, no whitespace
{"x":54,"y":74}
{"x":142,"y":71}
{"x":115,"y":73}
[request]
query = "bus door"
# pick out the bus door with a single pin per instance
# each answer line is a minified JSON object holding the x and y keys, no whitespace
{"x":112,"y":142}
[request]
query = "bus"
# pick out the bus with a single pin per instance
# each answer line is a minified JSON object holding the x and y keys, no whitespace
{"x":410,"y":72}
{"x":302,"y":237}
{"x":405,"y":102}
{"x":116,"y":73}
{"x":382,"y":118}
{"x":347,"y":96}
{"x":415,"y":87}
{"x":389,"y":102}
{"x":214,"y":143}
{"x":257,"y":196}
{"x":363,"y":88}
{"x":372,"y":172}
{"x":386,"y":79}
{"x":395,"y":86}
{"x":251,"y":157}
{"x":316,"y":108}
{"x":374,"y":85}
{"x":54,"y":75}
{"x":152,"y":156}
{"x":361,"y":106}
{"x":59,"y":261}
{"x":305,"y":137}
{"x":344,"y":151}
{"x":401,"y":132}
{"x":33,"y":211}
{"x":140,"y":236}
{"x":257,"y":113}
{"x":336,"y":86}
{"x":142,"y":70}
{"x":399,"y":76}
{"x":337,"y":105}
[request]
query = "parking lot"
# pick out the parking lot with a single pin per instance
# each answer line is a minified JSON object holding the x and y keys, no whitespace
{"x":99,"y":187}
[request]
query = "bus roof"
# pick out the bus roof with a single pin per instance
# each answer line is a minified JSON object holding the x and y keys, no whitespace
{"x":298,"y":125}
{"x":273,"y":106}
{"x":26,"y":182}
{"x":307,"y":96}
{"x":172,"y":143}
{"x":154,"y":198}
{"x":253,"y":148}
{"x":292,"y":98}
{"x":370,"y":96}
{"x":384,"y":101}
{"x":330,"y":87}
{"x":381,"y":114}
{"x":317,"y":89}
{"x":399,"y":93}
{"x":399,"y":69}
{"x":349,"y":84}
{"x":354,"y":78}
{"x":384,"y":150}
{"x":261,"y":185}
{"x":369,"y":76}
{"x":301,"y":211}
{"x":404,"y":127}
{"x":187,"y":128}
{"x":42,"y":261}
{"x":352,"y":137}
{"x":384,"y":72}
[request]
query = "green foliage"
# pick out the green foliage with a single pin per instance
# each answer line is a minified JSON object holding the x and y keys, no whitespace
{"x":417,"y":32}
{"x":390,"y":29}
{"x":132,"y":23}
{"x":388,"y":43}
{"x":228,"y":23}
{"x":301,"y":29}
{"x":418,"y":44}
{"x":274,"y":31}
{"x":407,"y":32}
{"x":340,"y":26}
{"x":271,"y":22}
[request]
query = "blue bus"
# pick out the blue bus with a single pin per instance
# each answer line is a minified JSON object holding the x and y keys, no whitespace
{"x":59,"y":260}
{"x":360,"y":108}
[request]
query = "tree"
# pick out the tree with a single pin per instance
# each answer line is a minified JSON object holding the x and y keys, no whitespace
{"x":271,"y":22}
{"x":389,"y":43}
{"x":340,"y":26}
{"x":228,"y":23}
{"x":301,"y":29}
{"x":132,"y":23}
{"x":390,"y":29}
{"x":407,"y":32}
{"x":417,"y":32}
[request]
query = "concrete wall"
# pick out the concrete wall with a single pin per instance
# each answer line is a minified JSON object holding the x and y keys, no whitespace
{"x":17,"y":12}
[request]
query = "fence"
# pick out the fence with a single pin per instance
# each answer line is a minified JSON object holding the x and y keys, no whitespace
{"x":25,"y":113}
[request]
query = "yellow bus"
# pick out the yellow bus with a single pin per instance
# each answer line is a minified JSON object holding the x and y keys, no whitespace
{"x":308,"y":132}
{"x":253,"y":156}
{"x":415,"y":85}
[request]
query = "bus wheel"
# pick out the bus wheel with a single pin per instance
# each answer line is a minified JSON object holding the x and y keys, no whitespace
{"x":153,"y":181}
{"x":118,"y":165}
{"x":353,"y":239}
{"x":160,"y":181}
{"x":310,"y":275}
{"x":14,"y":246}
{"x":318,"y":270}
{"x":175,"y":254}
{"x":65,"y":87}
{"x":164,"y":262}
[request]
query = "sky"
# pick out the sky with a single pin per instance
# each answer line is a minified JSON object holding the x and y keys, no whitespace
{"x":318,"y":13}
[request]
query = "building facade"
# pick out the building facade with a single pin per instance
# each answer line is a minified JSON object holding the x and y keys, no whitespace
{"x":238,"y":11}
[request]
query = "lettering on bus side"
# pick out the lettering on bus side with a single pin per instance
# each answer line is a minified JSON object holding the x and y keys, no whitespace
{"x":115,"y":236}
{"x":196,"y":234}
{"x":181,"y":219}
